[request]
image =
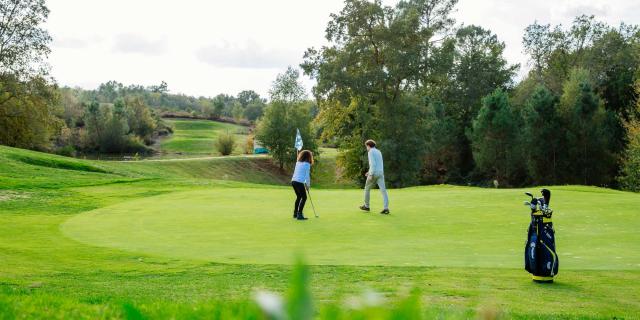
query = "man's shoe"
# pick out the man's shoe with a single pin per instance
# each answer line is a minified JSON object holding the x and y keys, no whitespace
{"x":364,"y":208}
{"x":295,"y":215}
{"x":301,"y":216}
{"x":385,"y":211}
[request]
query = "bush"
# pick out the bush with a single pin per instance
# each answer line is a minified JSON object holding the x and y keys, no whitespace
{"x":67,"y":151}
{"x":225,"y":143}
{"x":248,"y":147}
{"x":136,"y":145}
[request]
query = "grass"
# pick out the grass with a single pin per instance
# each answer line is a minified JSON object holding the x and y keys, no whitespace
{"x":197,"y":137}
{"x":425,"y":229}
{"x":196,"y":238}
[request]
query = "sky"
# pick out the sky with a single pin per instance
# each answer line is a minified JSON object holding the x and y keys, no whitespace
{"x":207,"y":47}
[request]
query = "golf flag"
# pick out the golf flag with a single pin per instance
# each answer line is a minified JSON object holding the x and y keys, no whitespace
{"x":298,"y":144}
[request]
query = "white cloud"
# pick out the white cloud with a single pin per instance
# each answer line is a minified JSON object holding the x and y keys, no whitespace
{"x":135,"y":43}
{"x":248,"y":56}
{"x":75,"y":42}
{"x":601,"y":10}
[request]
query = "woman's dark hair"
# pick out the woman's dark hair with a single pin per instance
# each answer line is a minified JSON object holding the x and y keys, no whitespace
{"x":305,"y":156}
{"x":371,"y":143}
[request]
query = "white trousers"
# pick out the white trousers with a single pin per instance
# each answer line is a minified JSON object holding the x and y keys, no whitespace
{"x":371,"y":181}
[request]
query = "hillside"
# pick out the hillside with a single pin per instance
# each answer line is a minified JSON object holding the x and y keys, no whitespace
{"x":23,"y":168}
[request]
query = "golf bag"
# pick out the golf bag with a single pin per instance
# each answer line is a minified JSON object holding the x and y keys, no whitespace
{"x":540,"y":258}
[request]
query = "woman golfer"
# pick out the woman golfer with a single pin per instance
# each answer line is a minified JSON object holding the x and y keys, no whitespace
{"x":301,"y":179}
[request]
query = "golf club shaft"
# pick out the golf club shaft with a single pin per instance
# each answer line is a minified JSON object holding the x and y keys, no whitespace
{"x":312,"y":206}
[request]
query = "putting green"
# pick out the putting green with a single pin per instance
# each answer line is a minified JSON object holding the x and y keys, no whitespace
{"x":429,"y":226}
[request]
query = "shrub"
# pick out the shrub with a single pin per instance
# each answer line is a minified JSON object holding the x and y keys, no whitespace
{"x":248,"y":147}
{"x":67,"y":151}
{"x":136,"y":145}
{"x":225,"y":143}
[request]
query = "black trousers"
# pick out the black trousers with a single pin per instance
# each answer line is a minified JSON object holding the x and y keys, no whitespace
{"x":301,"y":196}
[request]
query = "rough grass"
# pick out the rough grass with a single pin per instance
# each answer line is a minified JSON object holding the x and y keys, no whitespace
{"x":44,"y":273}
{"x":58,"y":163}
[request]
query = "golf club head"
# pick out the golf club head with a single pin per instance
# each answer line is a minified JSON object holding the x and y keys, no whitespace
{"x":529,"y":194}
{"x":527,"y":203}
{"x":547,"y":196}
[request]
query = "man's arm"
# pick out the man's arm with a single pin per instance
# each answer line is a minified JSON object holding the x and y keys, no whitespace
{"x":372,"y":162}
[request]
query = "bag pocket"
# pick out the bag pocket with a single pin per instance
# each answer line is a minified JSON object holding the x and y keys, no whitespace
{"x":530,"y":252}
{"x":548,"y":264}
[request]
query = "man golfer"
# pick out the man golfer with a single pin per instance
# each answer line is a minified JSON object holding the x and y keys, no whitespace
{"x":375,"y":175}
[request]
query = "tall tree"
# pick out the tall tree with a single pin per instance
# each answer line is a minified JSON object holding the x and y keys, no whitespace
{"x":539,"y":42}
{"x":27,"y":118}
{"x":27,"y":100}
{"x":286,"y":113}
{"x":629,"y":178}
{"x":24,"y":43}
{"x":287,"y":87}
{"x":140,"y":119}
{"x":94,"y":119}
{"x":442,"y":159}
{"x":477,"y":68}
{"x":247,"y":96}
{"x":543,"y":136}
{"x":403,"y":140}
{"x":377,"y":54}
{"x":254,"y":110}
{"x":496,"y":141}
{"x":588,"y":152}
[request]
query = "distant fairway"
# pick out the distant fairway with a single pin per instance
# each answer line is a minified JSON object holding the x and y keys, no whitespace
{"x":438,"y":226}
{"x":197,"y":138}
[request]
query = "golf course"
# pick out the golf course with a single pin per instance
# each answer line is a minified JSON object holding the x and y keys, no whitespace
{"x":196,"y":238}
{"x":197,"y":138}
{"x":320,"y":160}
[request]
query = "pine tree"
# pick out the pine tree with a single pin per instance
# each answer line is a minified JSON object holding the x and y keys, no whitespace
{"x":543,"y":136}
{"x":588,"y":159}
{"x":495,"y":140}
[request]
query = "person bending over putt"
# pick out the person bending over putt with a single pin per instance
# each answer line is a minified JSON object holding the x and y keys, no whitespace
{"x":375,"y":175}
{"x":301,"y":179}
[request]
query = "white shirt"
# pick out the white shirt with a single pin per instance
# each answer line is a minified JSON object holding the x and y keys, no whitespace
{"x":376,"y":167}
{"x":302,"y":173}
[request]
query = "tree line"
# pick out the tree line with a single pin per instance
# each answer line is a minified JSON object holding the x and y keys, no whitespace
{"x":113,"y":118}
{"x":444,"y":106}
{"x":440,"y":98}
{"x":247,"y":105}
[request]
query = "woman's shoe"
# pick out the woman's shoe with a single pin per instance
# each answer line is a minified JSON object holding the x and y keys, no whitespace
{"x":295,"y":215}
{"x":301,"y":216}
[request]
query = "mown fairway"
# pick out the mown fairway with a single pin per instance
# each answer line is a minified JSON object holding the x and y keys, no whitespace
{"x":198,"y":137}
{"x":195,"y":238}
{"x":430,"y":226}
